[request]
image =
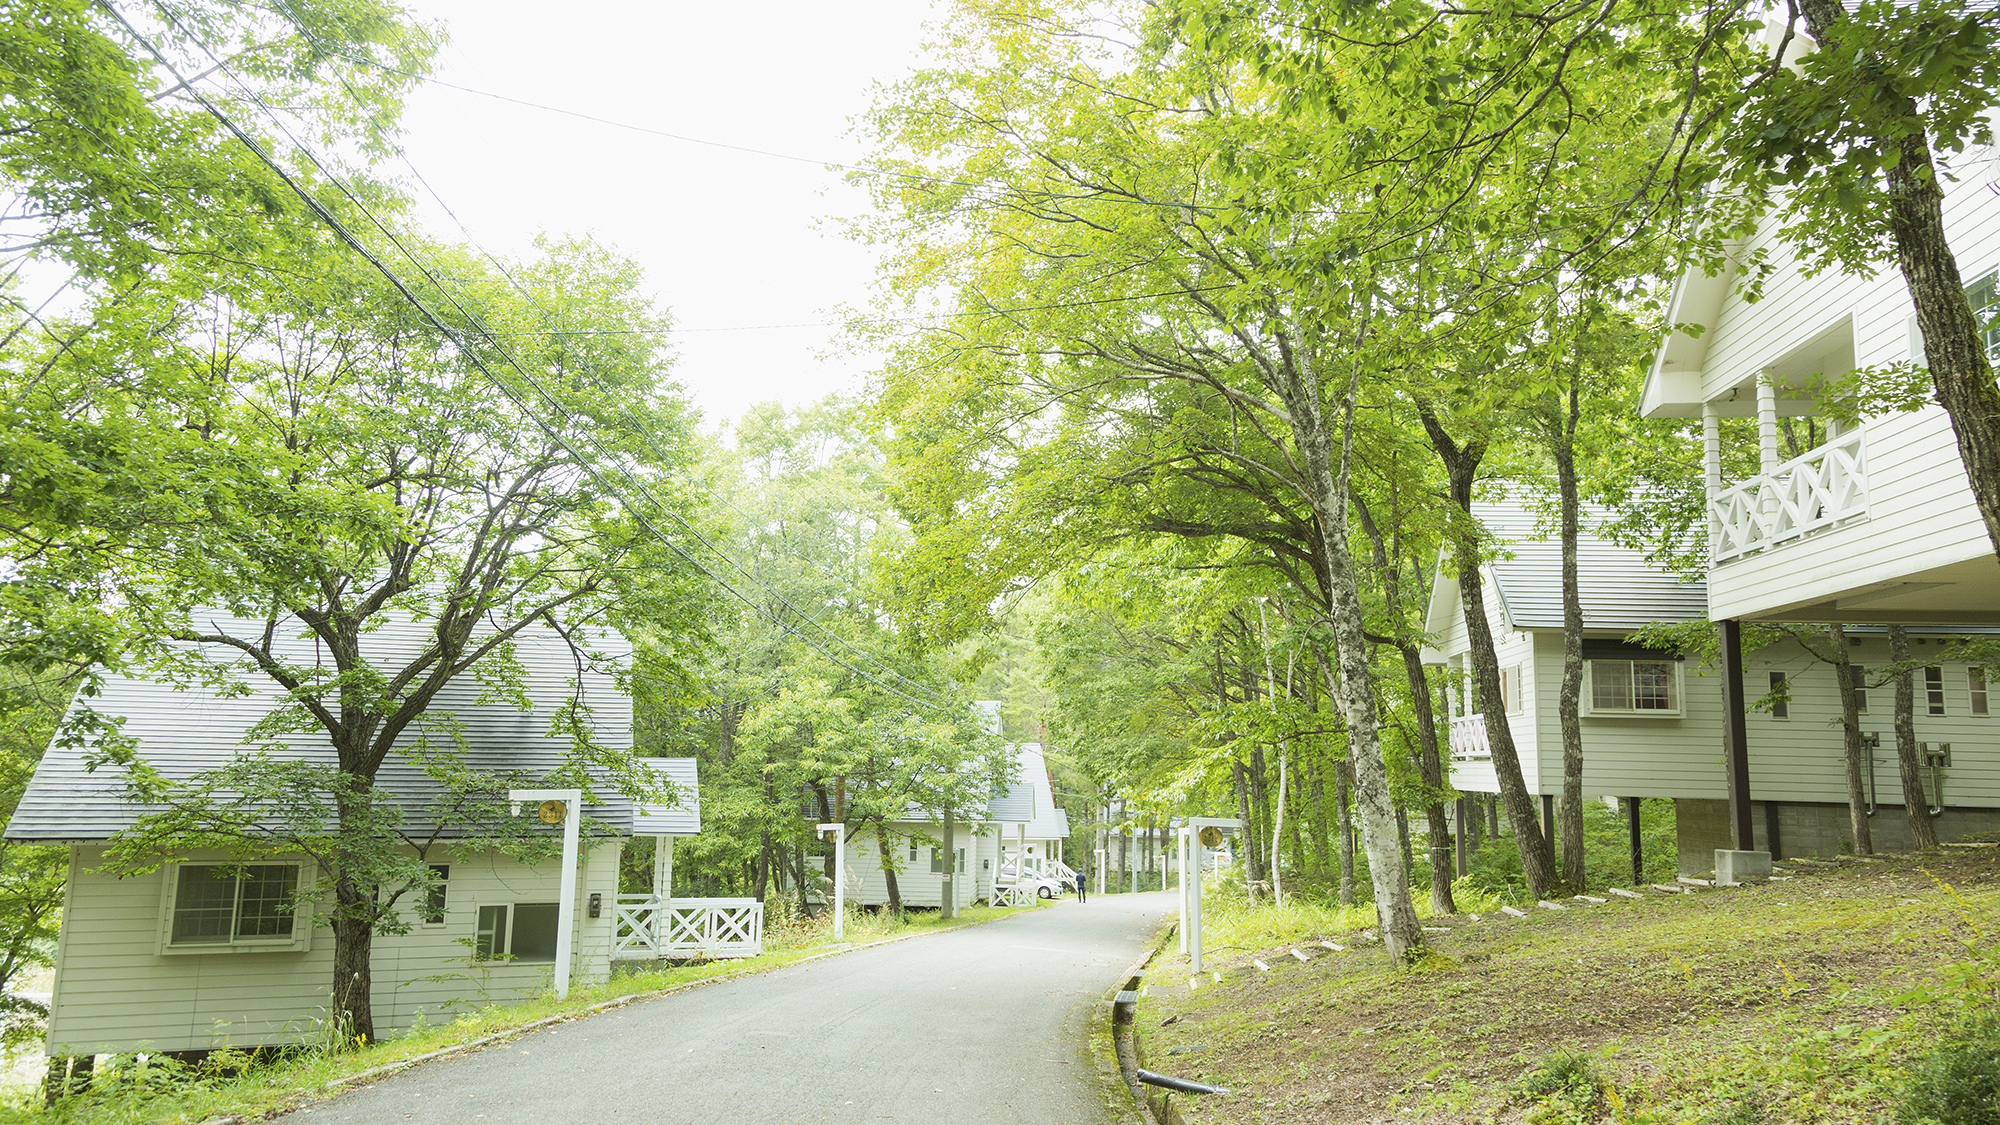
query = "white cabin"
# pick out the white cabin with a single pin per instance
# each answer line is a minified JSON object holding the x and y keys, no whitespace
{"x":194,"y":957}
{"x":1653,"y":722}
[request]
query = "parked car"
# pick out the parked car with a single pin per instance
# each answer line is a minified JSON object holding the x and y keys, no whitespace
{"x":1045,"y":886}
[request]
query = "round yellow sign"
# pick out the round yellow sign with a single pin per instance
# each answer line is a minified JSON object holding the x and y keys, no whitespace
{"x":553,"y":812}
{"x":1211,"y":837}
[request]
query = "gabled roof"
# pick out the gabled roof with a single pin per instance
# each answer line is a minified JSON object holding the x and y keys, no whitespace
{"x":183,"y":733}
{"x":1619,"y":590}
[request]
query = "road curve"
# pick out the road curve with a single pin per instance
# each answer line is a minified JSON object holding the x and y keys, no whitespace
{"x":979,"y":1026}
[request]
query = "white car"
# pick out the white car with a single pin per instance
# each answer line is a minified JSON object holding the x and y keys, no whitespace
{"x":1045,"y":887}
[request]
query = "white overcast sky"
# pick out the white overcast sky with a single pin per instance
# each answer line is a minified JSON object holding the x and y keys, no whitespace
{"x":729,"y":240}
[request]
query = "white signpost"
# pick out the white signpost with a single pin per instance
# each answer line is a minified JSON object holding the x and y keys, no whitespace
{"x":838,"y":834}
{"x":564,"y":807}
{"x":1202,"y":835}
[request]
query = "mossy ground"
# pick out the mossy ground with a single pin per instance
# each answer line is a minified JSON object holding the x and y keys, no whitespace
{"x":1800,"y":1000}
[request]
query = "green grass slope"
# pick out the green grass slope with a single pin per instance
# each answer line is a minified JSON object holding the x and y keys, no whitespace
{"x":1819,"y":997}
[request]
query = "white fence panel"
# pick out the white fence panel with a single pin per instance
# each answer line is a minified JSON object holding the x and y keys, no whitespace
{"x":688,"y":927}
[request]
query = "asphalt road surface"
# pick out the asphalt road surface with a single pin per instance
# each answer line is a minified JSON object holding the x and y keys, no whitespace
{"x":980,"y":1025}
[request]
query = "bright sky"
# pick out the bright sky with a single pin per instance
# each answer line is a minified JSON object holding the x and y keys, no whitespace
{"x":729,"y":240}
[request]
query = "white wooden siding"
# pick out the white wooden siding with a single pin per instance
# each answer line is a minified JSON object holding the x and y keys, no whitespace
{"x":114,"y":992}
{"x":1921,"y":513}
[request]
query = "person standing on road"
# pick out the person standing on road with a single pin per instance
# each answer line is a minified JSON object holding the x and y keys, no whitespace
{"x":1082,"y":886}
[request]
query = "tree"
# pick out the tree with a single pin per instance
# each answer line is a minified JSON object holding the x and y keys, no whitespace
{"x":347,"y":463}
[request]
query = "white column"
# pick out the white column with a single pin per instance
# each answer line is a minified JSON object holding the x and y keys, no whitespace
{"x":571,"y":801}
{"x":663,"y":869}
{"x":1200,"y":853}
{"x":1711,"y":463}
{"x":1767,"y":424}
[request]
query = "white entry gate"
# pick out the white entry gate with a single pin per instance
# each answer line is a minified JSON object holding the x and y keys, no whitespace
{"x":687,"y":927}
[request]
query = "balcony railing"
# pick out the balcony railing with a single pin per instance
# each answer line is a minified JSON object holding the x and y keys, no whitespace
{"x":1823,"y":489}
{"x":687,"y":927}
{"x":1468,"y":739}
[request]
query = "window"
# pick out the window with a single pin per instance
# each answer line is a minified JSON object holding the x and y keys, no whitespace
{"x":937,"y":861}
{"x":226,"y":907}
{"x":1857,"y":674}
{"x":1975,"y":681}
{"x":1934,"y":689}
{"x":1781,"y":698}
{"x":1634,"y":687}
{"x":520,"y":931}
{"x":434,"y":895}
{"x":1510,"y":689}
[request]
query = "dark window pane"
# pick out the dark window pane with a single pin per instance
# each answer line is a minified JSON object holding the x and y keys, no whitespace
{"x":434,"y":895}
{"x":534,"y":931}
{"x":265,"y":909}
{"x":491,"y":938}
{"x":204,"y":899}
{"x":1652,"y":686}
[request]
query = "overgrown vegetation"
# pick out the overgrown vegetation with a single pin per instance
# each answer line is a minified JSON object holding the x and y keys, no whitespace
{"x":1854,"y":994}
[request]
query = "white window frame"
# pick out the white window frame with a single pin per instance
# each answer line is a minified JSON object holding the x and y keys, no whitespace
{"x":505,"y":941}
{"x":1587,"y":703}
{"x":298,"y":941}
{"x":1975,"y":690}
{"x":1512,"y":689}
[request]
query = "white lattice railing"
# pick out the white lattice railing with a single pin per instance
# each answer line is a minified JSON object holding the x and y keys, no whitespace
{"x":1826,"y":487}
{"x":687,"y":927}
{"x":1013,"y":896}
{"x":1468,"y":738}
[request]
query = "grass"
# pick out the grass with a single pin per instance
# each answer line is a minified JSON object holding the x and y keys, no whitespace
{"x":1809,"y":999}
{"x":130,"y":1090}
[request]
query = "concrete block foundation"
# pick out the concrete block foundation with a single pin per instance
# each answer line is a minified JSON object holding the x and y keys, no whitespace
{"x":1807,"y":829}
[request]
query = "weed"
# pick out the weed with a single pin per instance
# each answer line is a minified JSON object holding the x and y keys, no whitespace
{"x":1959,"y":1083}
{"x":1567,"y":1089}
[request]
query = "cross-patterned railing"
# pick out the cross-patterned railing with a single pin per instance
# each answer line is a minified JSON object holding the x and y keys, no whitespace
{"x":687,"y":927}
{"x":1013,"y":896}
{"x":1825,"y":488}
{"x":1468,"y":738}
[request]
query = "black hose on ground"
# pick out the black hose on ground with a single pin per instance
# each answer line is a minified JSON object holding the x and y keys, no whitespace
{"x":1181,"y":1084}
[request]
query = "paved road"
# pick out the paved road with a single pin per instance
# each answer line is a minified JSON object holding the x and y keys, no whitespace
{"x":982,"y":1025}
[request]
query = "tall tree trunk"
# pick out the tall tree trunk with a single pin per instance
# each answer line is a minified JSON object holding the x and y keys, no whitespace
{"x":948,"y":885}
{"x":1252,"y":871}
{"x":1322,"y":858}
{"x":353,"y":949}
{"x":1569,"y":698}
{"x":1429,"y":765}
{"x":1915,"y":807}
{"x":1342,"y":807}
{"x":1953,"y":346}
{"x":1461,"y":466}
{"x":1328,"y":465}
{"x":1850,"y":733}
{"x":889,"y":869}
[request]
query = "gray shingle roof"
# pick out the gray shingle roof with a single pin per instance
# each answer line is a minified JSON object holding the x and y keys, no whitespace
{"x":182,"y":733}
{"x":1619,"y":589}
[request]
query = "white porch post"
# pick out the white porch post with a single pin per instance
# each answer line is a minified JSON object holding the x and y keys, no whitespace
{"x":1711,"y":463}
{"x":838,"y":834}
{"x":663,"y":869}
{"x":571,"y":804}
{"x":1767,"y":424}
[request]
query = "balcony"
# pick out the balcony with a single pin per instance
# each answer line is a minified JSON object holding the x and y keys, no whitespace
{"x":1468,"y":739}
{"x":1825,"y":488}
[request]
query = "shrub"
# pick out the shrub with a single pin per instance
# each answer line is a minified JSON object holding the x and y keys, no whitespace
{"x":1959,"y":1083}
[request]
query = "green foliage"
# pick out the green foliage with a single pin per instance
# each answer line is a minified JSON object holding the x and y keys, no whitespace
{"x":1565,"y":1088}
{"x":1496,"y":867}
{"x":1959,"y":1082}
